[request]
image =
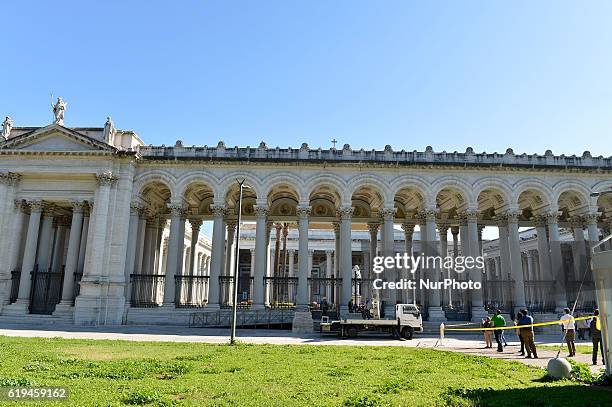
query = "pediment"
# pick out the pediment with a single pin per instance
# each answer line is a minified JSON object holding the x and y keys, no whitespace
{"x":55,"y":138}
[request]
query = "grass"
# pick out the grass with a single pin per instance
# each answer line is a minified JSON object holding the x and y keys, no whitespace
{"x":163,"y":374}
{"x":584,"y":349}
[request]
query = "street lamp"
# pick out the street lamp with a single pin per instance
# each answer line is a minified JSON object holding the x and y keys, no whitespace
{"x":236,"y":263}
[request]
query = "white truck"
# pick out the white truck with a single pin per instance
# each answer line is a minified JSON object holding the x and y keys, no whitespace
{"x":407,"y":321}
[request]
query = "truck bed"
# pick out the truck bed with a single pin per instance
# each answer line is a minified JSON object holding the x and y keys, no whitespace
{"x":367,"y":322}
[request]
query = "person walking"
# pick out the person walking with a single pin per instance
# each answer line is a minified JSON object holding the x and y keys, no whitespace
{"x":519,"y":315}
{"x":498,"y":322}
{"x":596,"y":337}
{"x":581,"y":327}
{"x":527,"y":334}
{"x":488,"y":335}
{"x":569,"y":326}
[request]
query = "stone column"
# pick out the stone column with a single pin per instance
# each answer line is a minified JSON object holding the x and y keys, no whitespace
{"x":302,"y":320}
{"x":578,"y":248}
{"x":229,"y":247}
{"x":140,"y":244}
{"x":261,"y":237}
{"x":433,"y":249}
{"x":195,"y":235}
{"x":72,"y":258}
{"x":58,"y":246}
{"x":593,"y":232}
{"x":46,"y":241}
{"x":175,"y":250}
{"x":543,"y":250}
{"x":516,"y":266}
{"x":328,"y":272}
{"x":29,"y":259}
{"x":443,"y":232}
{"x":252,"y":271}
{"x":19,"y":235}
{"x":346,"y":267}
{"x":556,"y":261}
{"x":8,"y":181}
{"x":84,"y":236}
{"x":303,"y":212}
{"x":336,"y":226}
{"x":130,"y":259}
{"x":216,"y":257}
{"x":478,"y":311}
{"x":409,"y":295}
{"x":291,"y":262}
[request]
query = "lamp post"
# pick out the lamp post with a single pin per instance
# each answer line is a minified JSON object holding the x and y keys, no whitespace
{"x":236,"y":263}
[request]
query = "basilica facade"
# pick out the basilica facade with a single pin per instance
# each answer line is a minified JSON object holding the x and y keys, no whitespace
{"x":99,"y":228}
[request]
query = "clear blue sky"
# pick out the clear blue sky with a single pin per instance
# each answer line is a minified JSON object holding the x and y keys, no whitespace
{"x":451,"y":74}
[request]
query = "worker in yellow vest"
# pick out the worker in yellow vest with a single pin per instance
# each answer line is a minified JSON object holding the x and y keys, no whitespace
{"x":596,"y":336}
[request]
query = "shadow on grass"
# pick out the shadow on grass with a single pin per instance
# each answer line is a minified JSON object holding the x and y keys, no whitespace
{"x":565,"y":395}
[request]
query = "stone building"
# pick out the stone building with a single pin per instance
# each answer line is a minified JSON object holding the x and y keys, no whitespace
{"x":85,"y":213}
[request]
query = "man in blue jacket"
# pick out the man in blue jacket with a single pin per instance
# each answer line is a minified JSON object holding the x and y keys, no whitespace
{"x":527,"y":334}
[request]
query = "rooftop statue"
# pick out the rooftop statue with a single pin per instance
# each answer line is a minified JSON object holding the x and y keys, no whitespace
{"x":7,"y":125}
{"x":58,"y":111}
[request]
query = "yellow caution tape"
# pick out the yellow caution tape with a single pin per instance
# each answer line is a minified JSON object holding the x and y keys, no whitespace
{"x":516,"y":326}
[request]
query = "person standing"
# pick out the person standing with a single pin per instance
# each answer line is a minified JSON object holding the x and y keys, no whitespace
{"x":527,"y":334}
{"x":569,"y":326}
{"x":488,"y":335}
{"x":498,"y":322}
{"x":596,"y":337}
{"x":518,"y":333}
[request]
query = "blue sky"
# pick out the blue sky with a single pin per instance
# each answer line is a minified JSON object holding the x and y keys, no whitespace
{"x":451,"y":74}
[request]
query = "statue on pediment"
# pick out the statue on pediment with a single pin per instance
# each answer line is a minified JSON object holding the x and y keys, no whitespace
{"x":7,"y":125}
{"x":58,"y":111}
{"x":109,"y":130}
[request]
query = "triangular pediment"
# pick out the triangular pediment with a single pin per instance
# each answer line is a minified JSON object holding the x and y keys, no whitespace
{"x":55,"y":138}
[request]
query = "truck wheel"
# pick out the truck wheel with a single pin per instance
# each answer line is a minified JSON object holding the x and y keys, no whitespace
{"x":351,"y":332}
{"x":407,"y":332}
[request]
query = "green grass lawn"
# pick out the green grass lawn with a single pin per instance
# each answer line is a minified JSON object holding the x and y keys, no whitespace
{"x":585,"y":349}
{"x":145,"y":373}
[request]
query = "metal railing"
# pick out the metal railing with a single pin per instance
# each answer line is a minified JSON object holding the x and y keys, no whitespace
{"x":147,"y":290}
{"x":539,"y":295}
{"x":499,"y":294}
{"x":226,"y":291}
{"x":281,"y":292}
{"x":325,"y":289}
{"x":191,"y":291}
{"x":46,"y":291}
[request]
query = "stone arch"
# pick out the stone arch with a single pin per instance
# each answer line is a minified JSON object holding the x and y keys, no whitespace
{"x":334,"y":183}
{"x":492,"y":196}
{"x":572,"y":197}
{"x":283,"y":199}
{"x":452,"y":194}
{"x":228,"y":181}
{"x":183,"y":182}
{"x":373,"y":181}
{"x":161,"y":176}
{"x":275,"y":179}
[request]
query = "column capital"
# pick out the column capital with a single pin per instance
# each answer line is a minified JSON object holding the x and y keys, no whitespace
{"x":372,"y":227}
{"x":336,"y":226}
{"x":36,"y":206}
{"x":217,"y":210}
{"x":468,"y":216}
{"x":513,"y":216}
{"x":252,"y":250}
{"x":345,"y":212}
{"x":455,"y":230}
{"x":106,"y":178}
{"x":387,"y":214}
{"x":552,"y":217}
{"x":196,"y":223}
{"x":303,"y":211}
{"x":136,"y":208}
{"x":408,"y":228}
{"x":443,"y":227}
{"x":78,"y":206}
{"x":21,"y":205}
{"x":176,"y":209}
{"x":576,"y":222}
{"x":591,"y":218}
{"x":291,"y":251}
{"x":261,"y":211}
{"x":230,"y":223}
{"x":539,"y":221}
{"x":9,"y":178}
{"x":329,"y":252}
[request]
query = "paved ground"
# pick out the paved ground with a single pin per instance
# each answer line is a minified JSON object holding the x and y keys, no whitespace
{"x":469,"y":344}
